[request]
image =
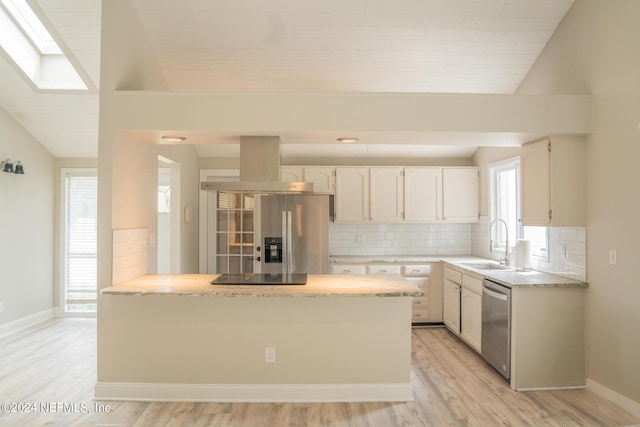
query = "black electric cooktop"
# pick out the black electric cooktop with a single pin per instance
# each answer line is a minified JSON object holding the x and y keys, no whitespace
{"x":261,"y":279}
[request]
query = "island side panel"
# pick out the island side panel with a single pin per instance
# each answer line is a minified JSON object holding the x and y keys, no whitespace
{"x":548,"y":338}
{"x":158,"y":339}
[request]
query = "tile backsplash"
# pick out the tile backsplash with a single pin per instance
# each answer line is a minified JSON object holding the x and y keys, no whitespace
{"x":567,"y":246}
{"x":130,"y":254}
{"x":399,"y":239}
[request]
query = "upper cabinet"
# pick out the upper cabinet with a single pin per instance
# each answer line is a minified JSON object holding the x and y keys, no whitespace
{"x":411,"y":194}
{"x":322,"y":177}
{"x":386,"y":194}
{"x":460,"y":189}
{"x":423,"y":194}
{"x":553,"y":182}
{"x":291,"y":174}
{"x":352,"y":194}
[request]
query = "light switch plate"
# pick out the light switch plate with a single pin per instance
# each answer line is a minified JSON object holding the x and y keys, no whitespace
{"x":613,"y":257}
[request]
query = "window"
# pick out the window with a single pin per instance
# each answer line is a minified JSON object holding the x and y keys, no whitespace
{"x":80,"y":191}
{"x":505,"y":205}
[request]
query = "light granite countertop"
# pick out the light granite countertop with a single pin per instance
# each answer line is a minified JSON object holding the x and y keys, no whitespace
{"x":199,"y":285}
{"x":511,"y":278}
{"x":508,"y":277}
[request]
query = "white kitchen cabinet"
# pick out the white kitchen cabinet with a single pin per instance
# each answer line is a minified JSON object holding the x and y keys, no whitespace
{"x":352,"y":194}
{"x":471,"y":311}
{"x":323,"y":178}
{"x":348,"y":269}
{"x":451,"y":305}
{"x":384,"y":269}
{"x":460,"y":194}
{"x":553,"y":182}
{"x":426,"y":309}
{"x":428,"y":277}
{"x":462,"y":306}
{"x":291,"y":174}
{"x":386,"y":194}
{"x":423,"y":194}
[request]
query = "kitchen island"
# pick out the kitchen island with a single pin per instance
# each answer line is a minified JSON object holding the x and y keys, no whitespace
{"x":180,"y":338}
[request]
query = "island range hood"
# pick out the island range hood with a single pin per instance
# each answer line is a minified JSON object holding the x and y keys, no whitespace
{"x":260,"y":170}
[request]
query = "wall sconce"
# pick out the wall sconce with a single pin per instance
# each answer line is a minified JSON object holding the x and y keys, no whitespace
{"x":9,"y":167}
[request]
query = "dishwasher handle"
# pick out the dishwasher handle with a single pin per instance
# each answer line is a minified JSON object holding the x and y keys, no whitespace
{"x":495,"y":294}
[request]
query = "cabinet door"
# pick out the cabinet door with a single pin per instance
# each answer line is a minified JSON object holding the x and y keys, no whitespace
{"x":290,"y":174}
{"x":384,"y":269}
{"x":386,"y":194}
{"x":352,"y":194}
{"x":423,"y":194}
{"x":348,"y":269}
{"x":451,"y":306}
{"x":471,"y":318}
{"x":323,"y":179}
{"x":535,"y":163}
{"x":460,"y":187}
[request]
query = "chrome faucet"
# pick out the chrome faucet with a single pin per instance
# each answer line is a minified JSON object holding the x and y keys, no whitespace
{"x":506,"y":229}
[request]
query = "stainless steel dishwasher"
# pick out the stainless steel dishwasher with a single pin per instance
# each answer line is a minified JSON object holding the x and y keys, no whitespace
{"x":496,"y":326}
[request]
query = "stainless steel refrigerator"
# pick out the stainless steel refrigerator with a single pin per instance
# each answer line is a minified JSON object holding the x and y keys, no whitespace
{"x":294,"y":234}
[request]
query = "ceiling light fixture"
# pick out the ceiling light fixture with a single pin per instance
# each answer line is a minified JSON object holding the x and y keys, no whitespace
{"x":173,"y":138}
{"x":348,"y":140}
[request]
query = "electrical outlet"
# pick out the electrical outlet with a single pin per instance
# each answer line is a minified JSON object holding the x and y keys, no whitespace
{"x":613,"y":257}
{"x":269,"y":355}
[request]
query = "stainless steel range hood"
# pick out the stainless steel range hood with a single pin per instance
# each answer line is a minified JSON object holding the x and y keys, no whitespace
{"x":260,"y":170}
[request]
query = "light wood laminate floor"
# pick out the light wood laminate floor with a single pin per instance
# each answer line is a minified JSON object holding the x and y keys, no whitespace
{"x":54,"y":364}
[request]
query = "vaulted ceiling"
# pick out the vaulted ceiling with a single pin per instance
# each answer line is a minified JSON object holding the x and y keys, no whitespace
{"x":421,"y":46}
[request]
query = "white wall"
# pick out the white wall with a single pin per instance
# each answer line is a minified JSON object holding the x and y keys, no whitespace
{"x":595,"y":50}
{"x":26,"y":224}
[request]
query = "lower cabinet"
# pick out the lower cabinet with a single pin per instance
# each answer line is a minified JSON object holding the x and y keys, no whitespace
{"x":471,"y":318}
{"x":462,"y":306}
{"x":427,"y":309}
{"x":451,"y":306}
{"x":348,"y":269}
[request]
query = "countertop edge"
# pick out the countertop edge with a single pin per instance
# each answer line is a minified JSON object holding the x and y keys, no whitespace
{"x":323,"y":286}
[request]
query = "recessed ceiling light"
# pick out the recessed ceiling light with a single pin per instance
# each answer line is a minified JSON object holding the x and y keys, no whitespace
{"x":348,"y":140}
{"x":173,"y":138}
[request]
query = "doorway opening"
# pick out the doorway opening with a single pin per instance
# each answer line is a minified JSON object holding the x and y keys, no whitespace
{"x":168,"y":228}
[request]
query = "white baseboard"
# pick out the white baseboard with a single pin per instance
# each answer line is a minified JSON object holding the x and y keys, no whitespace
{"x":620,"y":400}
{"x":59,"y":312}
{"x":254,"y":392}
{"x":25,"y":322}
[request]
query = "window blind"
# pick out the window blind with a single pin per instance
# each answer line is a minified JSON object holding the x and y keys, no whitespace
{"x":81,"y":195}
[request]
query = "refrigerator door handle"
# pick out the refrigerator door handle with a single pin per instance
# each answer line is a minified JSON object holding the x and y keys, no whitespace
{"x":285,"y":243}
{"x":289,"y":244}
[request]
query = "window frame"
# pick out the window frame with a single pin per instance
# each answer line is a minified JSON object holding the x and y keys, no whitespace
{"x":494,"y":169}
{"x":64,"y":172}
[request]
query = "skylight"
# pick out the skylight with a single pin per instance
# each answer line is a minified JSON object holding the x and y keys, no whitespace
{"x":32,"y":26}
{"x":25,"y":41}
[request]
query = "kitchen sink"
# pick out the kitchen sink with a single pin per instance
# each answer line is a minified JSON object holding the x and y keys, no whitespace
{"x":484,"y":265}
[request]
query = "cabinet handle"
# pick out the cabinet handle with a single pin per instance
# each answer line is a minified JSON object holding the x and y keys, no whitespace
{"x":415,"y":271}
{"x":346,"y":271}
{"x":382,"y":271}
